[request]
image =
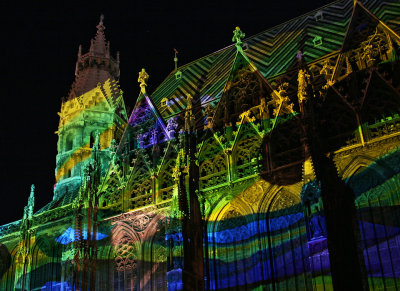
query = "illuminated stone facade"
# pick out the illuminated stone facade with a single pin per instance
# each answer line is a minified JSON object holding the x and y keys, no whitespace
{"x":273,"y":164}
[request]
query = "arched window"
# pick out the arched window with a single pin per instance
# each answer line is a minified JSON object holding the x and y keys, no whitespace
{"x":92,"y":139}
{"x":68,"y":173}
{"x":69,"y":142}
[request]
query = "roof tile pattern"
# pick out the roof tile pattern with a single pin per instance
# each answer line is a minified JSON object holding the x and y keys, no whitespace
{"x":316,"y":34}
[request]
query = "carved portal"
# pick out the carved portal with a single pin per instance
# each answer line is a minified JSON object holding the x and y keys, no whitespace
{"x":139,"y":250}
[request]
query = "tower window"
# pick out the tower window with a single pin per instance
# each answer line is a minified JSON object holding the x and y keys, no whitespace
{"x":92,"y":139}
{"x":69,"y":142}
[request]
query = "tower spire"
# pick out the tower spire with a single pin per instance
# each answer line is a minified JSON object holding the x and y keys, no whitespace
{"x":31,"y":201}
{"x":96,"y":65}
{"x":98,"y":44}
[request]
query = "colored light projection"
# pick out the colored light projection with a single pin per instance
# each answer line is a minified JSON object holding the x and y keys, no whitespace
{"x":234,"y":176}
{"x":69,"y":236}
{"x":98,"y":111}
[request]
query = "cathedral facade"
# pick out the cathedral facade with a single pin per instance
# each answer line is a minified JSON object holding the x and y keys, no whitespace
{"x":272,"y":164}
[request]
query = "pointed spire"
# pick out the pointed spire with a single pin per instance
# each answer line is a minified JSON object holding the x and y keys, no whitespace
{"x":94,"y":66}
{"x":28,"y":210}
{"x":96,"y":144}
{"x":98,"y":44}
{"x":77,"y":63}
{"x":176,"y":59}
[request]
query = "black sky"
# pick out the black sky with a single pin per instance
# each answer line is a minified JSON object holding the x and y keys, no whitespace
{"x":39,"y":45}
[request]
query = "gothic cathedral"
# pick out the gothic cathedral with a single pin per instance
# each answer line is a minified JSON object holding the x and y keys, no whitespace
{"x":272,"y":164}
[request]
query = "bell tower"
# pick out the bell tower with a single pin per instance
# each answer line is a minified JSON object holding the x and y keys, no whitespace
{"x":94,"y":106}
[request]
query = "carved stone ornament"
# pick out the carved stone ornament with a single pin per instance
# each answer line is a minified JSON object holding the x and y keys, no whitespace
{"x":303,"y":81}
{"x":255,"y":192}
{"x":140,"y":222}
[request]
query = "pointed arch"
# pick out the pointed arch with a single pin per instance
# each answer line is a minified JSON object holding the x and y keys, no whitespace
{"x":283,"y":152}
{"x":283,"y":245}
{"x":166,"y":180}
{"x":140,"y":185}
{"x":246,"y":152}
{"x":158,"y":260}
{"x":111,"y":192}
{"x":377,"y":195}
{"x":213,"y":168}
{"x":231,"y":241}
{"x":126,"y":247}
{"x":45,"y":262}
{"x":381,"y":107}
{"x":69,"y":142}
{"x":8,"y":277}
{"x":338,"y":122}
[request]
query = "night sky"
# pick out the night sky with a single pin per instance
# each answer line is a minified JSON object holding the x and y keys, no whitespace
{"x":39,"y":46}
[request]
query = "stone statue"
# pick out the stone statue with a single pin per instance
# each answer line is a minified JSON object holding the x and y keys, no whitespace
{"x":142,"y":79}
{"x":238,"y":35}
{"x":303,"y":81}
{"x":172,"y":125}
{"x":189,"y":100}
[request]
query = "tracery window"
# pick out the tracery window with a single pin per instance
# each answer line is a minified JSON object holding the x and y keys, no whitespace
{"x":112,"y":194}
{"x":142,"y":190}
{"x":213,"y":165}
{"x":246,"y":155}
{"x":126,"y":262}
{"x":380,"y":111}
{"x":166,"y":181}
{"x":233,"y":262}
{"x":159,"y":262}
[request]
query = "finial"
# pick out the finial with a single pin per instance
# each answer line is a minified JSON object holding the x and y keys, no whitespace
{"x":25,"y":216}
{"x":100,"y":26}
{"x":96,"y":144}
{"x":77,"y":62}
{"x":31,"y":203}
{"x":176,"y":59}
{"x":189,"y":100}
{"x":143,"y":76}
{"x":237,"y":37}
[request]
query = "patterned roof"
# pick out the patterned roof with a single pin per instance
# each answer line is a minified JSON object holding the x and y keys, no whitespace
{"x":316,"y":34}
